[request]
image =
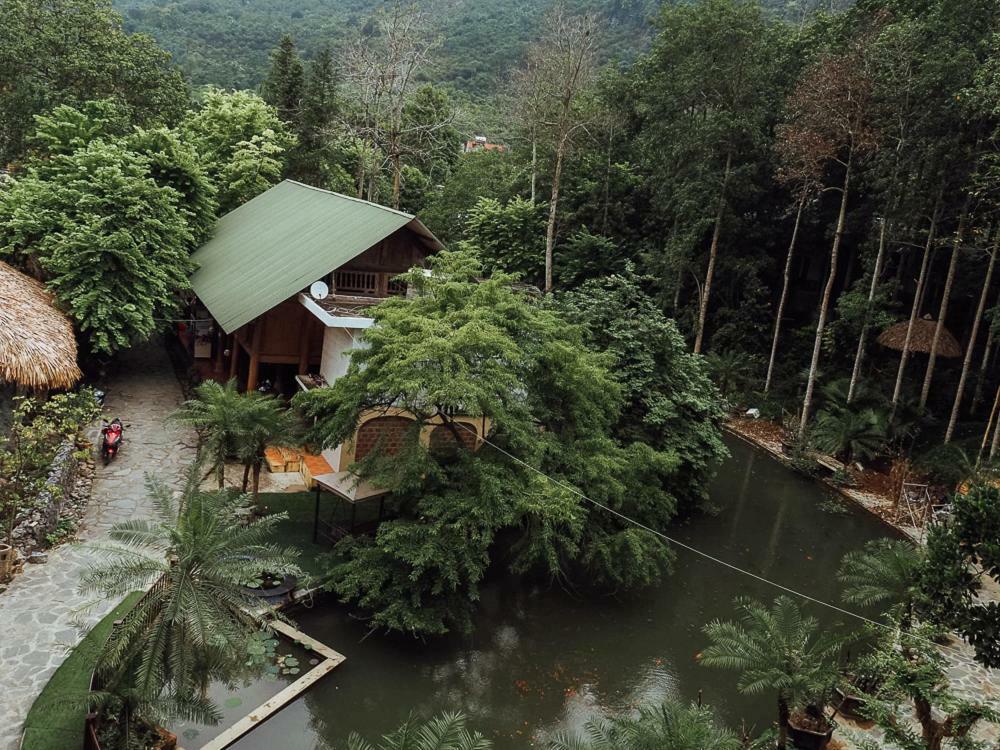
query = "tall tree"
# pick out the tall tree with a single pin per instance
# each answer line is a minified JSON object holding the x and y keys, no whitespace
{"x":242,"y":143}
{"x":918,"y":298}
{"x":830,"y":111}
{"x":382,"y":67}
{"x":554,"y":80}
{"x":956,"y":250}
{"x":971,"y":344}
{"x":71,"y":51}
{"x":801,"y":166}
{"x":706,"y":115}
{"x":283,"y":87}
{"x":486,"y":349}
{"x":109,"y":241}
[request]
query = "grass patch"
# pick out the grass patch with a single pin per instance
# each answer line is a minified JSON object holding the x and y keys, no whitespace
{"x":297,"y":530}
{"x":56,"y":718}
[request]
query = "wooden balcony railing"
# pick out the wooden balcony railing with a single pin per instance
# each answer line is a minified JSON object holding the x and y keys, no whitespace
{"x":367,"y":284}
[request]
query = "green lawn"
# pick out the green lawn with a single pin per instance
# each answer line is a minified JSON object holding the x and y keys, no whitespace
{"x":55,"y":721}
{"x":297,"y":530}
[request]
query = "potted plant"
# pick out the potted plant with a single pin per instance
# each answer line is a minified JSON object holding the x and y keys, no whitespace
{"x":850,"y":693}
{"x":6,"y":560}
{"x":810,"y":728}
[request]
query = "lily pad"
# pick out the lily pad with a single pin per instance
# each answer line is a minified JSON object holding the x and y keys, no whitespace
{"x":233,"y":702}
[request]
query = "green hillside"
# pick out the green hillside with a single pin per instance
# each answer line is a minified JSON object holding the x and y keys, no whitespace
{"x":226,"y":42}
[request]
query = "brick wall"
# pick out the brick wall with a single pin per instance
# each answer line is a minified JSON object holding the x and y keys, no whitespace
{"x":443,"y":437}
{"x":386,"y":432}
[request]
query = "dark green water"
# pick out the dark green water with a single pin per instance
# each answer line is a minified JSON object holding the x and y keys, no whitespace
{"x":542,"y":660}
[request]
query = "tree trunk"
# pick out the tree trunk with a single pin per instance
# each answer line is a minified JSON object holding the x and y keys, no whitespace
{"x":989,"y":428}
{"x":713,"y":253}
{"x":607,"y":183}
{"x":915,"y":308}
{"x":246,"y":477}
{"x":534,"y":164}
{"x":996,"y":438}
{"x":945,"y":297}
{"x":876,"y":272}
{"x":931,"y":731}
{"x":984,"y":367}
{"x":550,"y":229}
{"x":825,"y":303}
{"x":783,"y":714}
{"x":256,"y":481}
{"x":784,"y":295}
{"x":396,"y":181}
{"x":360,"y":175}
{"x":972,"y":342}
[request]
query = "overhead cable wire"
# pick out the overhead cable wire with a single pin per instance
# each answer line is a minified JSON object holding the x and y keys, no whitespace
{"x":718,"y":561}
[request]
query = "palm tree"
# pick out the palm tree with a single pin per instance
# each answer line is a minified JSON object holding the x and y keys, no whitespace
{"x":263,"y":421}
{"x":195,"y":621}
{"x":130,"y":714}
{"x":231,"y":423}
{"x":849,"y":434}
{"x":776,"y":648}
{"x":883,"y":571}
{"x":215,"y":413}
{"x":670,"y":726}
{"x":444,"y":732}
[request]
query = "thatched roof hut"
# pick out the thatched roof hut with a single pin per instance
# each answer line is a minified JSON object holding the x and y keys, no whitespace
{"x":37,"y":346}
{"x":920,"y":341}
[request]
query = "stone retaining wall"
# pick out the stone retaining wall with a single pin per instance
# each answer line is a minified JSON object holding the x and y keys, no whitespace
{"x":60,"y":486}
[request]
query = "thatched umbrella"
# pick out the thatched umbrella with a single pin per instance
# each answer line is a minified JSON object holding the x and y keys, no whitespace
{"x":921,"y":339}
{"x":37,"y":347}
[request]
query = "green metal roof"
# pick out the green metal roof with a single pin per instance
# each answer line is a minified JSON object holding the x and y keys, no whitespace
{"x":280,"y":242}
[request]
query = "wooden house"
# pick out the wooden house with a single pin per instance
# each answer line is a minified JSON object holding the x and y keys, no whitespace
{"x":254,"y":278}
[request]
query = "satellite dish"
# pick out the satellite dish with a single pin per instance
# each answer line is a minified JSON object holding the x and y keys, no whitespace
{"x":319,"y":290}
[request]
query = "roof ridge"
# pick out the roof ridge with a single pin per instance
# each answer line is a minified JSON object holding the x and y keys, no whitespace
{"x":350,"y":198}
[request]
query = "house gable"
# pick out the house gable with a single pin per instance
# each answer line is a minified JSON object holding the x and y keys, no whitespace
{"x":272,"y":247}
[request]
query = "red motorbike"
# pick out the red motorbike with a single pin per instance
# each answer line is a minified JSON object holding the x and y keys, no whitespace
{"x":111,"y":439}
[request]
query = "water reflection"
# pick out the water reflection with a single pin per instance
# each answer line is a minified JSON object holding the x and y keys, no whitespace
{"x":542,"y":661}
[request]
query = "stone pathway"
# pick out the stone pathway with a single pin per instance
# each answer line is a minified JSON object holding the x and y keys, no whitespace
{"x":42,"y":615}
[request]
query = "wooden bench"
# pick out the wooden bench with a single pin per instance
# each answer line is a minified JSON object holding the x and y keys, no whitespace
{"x":829,"y":463}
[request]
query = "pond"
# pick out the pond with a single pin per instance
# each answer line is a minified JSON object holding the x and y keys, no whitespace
{"x":543,"y":659}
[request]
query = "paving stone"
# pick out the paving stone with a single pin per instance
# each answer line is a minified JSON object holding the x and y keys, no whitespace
{"x":42,"y":615}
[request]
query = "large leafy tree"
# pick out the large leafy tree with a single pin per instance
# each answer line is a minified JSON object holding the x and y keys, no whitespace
{"x":111,"y":242}
{"x":69,"y":51}
{"x":960,"y":555}
{"x":172,"y":161}
{"x":669,"y":401}
{"x":241,"y":141}
{"x":485,"y":349}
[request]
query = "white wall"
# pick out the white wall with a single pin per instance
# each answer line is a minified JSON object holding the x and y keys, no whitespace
{"x":336,"y":343}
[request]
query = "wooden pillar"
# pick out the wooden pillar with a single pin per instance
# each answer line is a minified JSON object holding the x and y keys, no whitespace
{"x":305,"y":333}
{"x":234,"y":356}
{"x":220,"y":348}
{"x":258,"y":330}
{"x":316,"y":516}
